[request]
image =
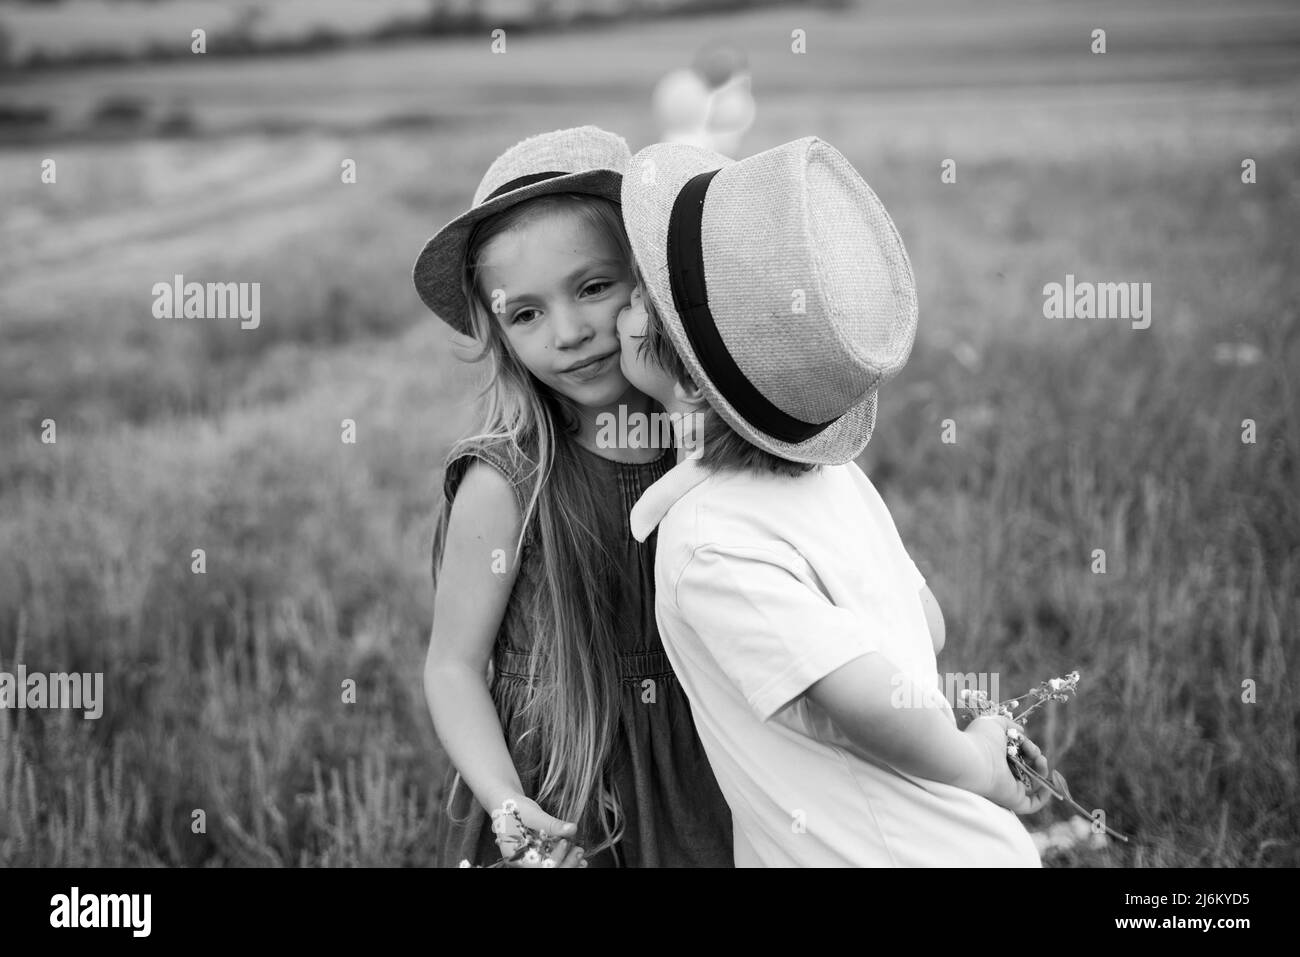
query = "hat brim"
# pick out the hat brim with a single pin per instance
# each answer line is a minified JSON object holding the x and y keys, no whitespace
{"x":440,"y":266}
{"x":647,"y":200}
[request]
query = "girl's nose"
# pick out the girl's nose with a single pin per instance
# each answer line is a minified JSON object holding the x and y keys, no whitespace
{"x":571,"y":328}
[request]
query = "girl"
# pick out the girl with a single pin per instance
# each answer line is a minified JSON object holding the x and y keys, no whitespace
{"x":580,"y":720}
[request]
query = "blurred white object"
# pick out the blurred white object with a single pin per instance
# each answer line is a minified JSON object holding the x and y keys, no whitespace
{"x":731,"y":114}
{"x":1237,"y":354}
{"x":709,"y":104}
{"x":1067,"y":835}
{"x":967,"y":355}
{"x":681,"y":106}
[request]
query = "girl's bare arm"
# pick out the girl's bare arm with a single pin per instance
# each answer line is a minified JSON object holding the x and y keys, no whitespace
{"x":468,"y":608}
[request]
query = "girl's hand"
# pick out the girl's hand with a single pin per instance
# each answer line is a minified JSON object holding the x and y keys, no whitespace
{"x":564,"y":854}
{"x":1001,"y":787}
{"x":510,"y":837}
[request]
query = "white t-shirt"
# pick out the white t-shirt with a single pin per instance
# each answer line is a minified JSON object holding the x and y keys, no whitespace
{"x":764,"y":585}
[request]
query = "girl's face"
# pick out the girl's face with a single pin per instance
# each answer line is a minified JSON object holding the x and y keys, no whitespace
{"x":642,"y":371}
{"x":556,"y":287}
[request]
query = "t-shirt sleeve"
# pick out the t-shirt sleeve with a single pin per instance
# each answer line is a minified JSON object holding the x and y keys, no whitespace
{"x":765,"y":622}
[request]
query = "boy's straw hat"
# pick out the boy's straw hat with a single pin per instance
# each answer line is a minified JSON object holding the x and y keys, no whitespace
{"x":783,"y":285}
{"x":585,"y":159}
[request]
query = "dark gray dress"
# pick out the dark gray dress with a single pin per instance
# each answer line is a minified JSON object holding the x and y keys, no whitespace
{"x":674,"y":813}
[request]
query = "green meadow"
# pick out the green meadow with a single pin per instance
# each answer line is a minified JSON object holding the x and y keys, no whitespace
{"x":223,"y":691}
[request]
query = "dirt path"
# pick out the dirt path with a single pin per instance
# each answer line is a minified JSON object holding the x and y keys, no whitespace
{"x":247,"y":191}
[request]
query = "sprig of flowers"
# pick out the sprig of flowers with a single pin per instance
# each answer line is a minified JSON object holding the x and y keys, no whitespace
{"x":1053,"y":689}
{"x":529,"y":846}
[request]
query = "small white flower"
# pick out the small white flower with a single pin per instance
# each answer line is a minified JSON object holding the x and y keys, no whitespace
{"x":465,"y":863}
{"x":531,"y":856}
{"x":1055,"y":684}
{"x":509,"y":806}
{"x":1014,"y":733}
{"x":549,"y":862}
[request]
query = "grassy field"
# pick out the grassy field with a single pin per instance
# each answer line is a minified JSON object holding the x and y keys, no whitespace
{"x":223,"y":690}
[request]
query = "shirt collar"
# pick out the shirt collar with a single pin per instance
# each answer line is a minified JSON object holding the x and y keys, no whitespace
{"x":652,"y":506}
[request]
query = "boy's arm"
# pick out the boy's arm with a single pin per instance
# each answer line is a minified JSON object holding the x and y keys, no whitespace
{"x":777,"y":637}
{"x":880,"y":710}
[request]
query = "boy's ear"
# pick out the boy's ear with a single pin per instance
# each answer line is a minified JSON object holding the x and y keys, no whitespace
{"x":688,"y":392}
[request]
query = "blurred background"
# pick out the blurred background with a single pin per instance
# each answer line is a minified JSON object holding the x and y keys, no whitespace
{"x":222,"y":690}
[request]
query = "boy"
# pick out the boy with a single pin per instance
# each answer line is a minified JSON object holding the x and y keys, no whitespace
{"x":774,"y":297}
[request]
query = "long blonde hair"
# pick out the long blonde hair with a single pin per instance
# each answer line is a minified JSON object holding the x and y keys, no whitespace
{"x":572,"y":705}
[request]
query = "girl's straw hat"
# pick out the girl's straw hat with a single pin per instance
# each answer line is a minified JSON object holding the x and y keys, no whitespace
{"x":585,"y":159}
{"x":783,"y":285}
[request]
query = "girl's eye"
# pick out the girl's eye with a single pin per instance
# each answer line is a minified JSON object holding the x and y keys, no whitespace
{"x":597,"y":287}
{"x":525,"y":315}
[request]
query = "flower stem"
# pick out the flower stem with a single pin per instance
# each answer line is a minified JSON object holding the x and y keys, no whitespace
{"x":1066,"y":798}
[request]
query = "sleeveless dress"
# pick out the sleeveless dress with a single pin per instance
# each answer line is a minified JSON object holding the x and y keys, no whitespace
{"x":674,"y":814}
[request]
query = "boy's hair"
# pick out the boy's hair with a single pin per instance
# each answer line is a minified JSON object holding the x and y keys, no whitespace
{"x":723,"y":448}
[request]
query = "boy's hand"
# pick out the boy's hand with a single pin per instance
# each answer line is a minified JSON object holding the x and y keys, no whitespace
{"x":1001,"y":787}
{"x":1033,"y":756}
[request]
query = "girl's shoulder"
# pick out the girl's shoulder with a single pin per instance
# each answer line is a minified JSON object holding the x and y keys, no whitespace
{"x":500,"y":453}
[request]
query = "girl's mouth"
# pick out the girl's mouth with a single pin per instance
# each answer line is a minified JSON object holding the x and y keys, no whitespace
{"x":590,"y":370}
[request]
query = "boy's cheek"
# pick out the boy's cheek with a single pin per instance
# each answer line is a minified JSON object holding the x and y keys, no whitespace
{"x":633,"y":320}
{"x":622,"y":325}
